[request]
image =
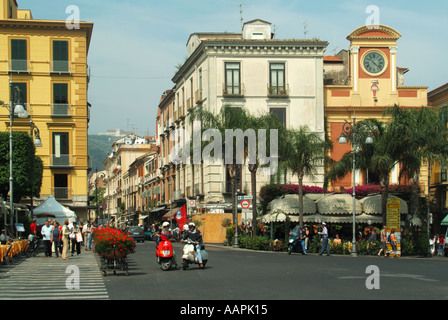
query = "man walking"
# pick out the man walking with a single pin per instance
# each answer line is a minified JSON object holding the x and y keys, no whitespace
{"x":302,"y":237}
{"x":383,"y":236}
{"x":46,"y":234}
{"x":324,"y":235}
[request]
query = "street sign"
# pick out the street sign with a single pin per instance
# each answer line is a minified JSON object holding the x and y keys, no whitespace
{"x":245,"y":197}
{"x":245,"y":204}
{"x":191,"y":203}
{"x":104,"y":206}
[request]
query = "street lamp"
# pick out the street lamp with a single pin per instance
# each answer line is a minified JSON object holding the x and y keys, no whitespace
{"x":19,"y":110}
{"x":347,"y":130}
{"x":37,"y":143}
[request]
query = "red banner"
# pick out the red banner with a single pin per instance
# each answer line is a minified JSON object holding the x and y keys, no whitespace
{"x":182,"y":219}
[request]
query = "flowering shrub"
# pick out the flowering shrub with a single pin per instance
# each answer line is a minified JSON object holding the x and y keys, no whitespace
{"x":106,"y":239}
{"x":403,"y":192}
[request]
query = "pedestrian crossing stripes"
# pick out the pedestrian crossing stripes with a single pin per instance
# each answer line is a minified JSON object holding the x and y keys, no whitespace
{"x":40,"y":278}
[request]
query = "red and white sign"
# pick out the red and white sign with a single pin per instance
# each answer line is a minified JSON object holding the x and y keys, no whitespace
{"x":191,"y":203}
{"x":245,"y":204}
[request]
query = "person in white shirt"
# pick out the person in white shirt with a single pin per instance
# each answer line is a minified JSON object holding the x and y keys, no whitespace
{"x":46,"y":231}
{"x":325,"y":244}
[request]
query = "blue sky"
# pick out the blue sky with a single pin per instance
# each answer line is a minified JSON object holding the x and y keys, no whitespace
{"x":136,"y":44}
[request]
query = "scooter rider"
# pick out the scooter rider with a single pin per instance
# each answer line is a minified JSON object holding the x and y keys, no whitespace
{"x":195,"y":235}
{"x":165,"y":231}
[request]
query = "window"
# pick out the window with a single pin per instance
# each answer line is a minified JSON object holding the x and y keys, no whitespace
{"x":281,"y":114}
{"x":19,"y":95}
{"x":277,"y":79}
{"x":19,"y":61}
{"x":60,"y":56}
{"x":61,"y":156}
{"x":60,"y":99}
{"x":239,"y":178}
{"x":232,"y":84}
{"x":61,"y":186}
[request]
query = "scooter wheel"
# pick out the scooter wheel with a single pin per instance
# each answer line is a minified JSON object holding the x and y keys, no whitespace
{"x":289,"y":250}
{"x":185,"y":265}
{"x":166,"y":265}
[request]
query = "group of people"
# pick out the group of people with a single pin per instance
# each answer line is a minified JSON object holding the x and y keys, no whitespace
{"x":62,"y":238}
{"x":437,"y":243}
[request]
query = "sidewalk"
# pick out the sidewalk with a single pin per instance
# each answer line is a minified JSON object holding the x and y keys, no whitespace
{"x":50,"y":278}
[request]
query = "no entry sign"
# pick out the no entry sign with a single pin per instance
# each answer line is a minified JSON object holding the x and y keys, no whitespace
{"x":245,"y":204}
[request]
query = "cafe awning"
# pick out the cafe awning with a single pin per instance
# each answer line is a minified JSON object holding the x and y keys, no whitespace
{"x":319,"y":218}
{"x":339,"y":203}
{"x":289,"y":204}
{"x":445,"y":221}
{"x":372,"y":204}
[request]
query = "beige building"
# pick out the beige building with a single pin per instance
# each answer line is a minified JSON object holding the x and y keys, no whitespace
{"x":251,"y":70}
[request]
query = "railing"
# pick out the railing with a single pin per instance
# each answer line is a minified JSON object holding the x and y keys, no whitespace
{"x":61,"y":192}
{"x":278,"y":90}
{"x":60,"y":110}
{"x":233,"y":89}
{"x":61,"y":160}
{"x":61,"y":67}
{"x":16,"y":65}
{"x":198,"y":189}
{"x":198,"y":96}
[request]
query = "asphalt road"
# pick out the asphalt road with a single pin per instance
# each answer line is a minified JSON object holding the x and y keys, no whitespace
{"x":239,"y":274}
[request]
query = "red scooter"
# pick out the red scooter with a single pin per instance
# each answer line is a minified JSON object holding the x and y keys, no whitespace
{"x":165,"y":253}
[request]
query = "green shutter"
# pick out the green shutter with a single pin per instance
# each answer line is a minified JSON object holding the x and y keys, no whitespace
{"x":60,"y":50}
{"x":18,"y":49}
{"x":60,"y":93}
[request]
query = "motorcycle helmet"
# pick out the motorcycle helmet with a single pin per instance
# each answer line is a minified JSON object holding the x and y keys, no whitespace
{"x":185,"y":227}
{"x":165,"y":224}
{"x":191,"y":224}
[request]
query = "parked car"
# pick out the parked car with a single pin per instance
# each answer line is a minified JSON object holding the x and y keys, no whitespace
{"x":136,"y":233}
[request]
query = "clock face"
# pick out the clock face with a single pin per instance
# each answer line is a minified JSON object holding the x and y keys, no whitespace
{"x":374,"y":62}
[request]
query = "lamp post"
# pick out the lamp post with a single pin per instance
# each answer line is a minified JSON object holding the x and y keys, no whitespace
{"x":37,"y":143}
{"x":347,"y":130}
{"x":19,"y":110}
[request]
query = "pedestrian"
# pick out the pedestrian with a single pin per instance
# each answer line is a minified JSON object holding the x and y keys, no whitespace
{"x":441,"y":244}
{"x":33,"y":227}
{"x":65,"y":240}
{"x":302,"y":237}
{"x":325,"y":244}
{"x":76,"y":239}
{"x":88,"y":236}
{"x":55,"y":238}
{"x":432,"y":244}
{"x":383,"y":238}
{"x":393,"y":242}
{"x":307,"y":239}
{"x":46,"y":231}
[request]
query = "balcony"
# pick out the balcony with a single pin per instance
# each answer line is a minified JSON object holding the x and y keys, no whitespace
{"x":278,"y":91}
{"x":198,"y":99}
{"x":19,"y":66}
{"x":61,"y":110}
{"x":61,"y":160}
{"x":60,"y":67}
{"x":233,"y":90}
{"x":63,"y":193}
{"x":198,"y":190}
{"x":189,"y":104}
{"x":227,"y":187}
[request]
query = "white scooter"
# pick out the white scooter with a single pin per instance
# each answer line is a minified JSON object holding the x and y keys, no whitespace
{"x":190,"y":256}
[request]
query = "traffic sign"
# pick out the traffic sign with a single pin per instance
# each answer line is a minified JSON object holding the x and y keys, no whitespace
{"x":191,"y":203}
{"x":245,"y":197}
{"x":245,"y":204}
{"x":104,"y":206}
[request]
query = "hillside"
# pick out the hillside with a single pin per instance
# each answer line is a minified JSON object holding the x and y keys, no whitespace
{"x":99,"y":148}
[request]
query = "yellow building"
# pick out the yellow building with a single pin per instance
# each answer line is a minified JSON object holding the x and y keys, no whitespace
{"x":47,"y":61}
{"x":361,"y":82}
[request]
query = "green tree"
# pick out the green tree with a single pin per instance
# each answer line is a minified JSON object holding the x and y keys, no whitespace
{"x":377,"y":158}
{"x":24,"y":159}
{"x":305,"y":153}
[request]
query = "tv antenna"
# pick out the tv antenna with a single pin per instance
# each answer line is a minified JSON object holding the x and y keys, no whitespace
{"x":305,"y":28}
{"x":241,"y":13}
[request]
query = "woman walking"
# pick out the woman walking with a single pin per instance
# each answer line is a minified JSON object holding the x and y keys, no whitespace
{"x":65,"y":234}
{"x":89,"y":237}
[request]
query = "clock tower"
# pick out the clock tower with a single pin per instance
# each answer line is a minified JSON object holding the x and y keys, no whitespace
{"x":362,"y":82}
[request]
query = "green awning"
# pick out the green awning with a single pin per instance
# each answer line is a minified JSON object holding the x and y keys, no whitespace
{"x":445,"y":221}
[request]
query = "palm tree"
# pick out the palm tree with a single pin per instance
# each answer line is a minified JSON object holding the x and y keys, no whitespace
{"x":377,"y":158}
{"x":423,"y":137}
{"x":305,"y":153}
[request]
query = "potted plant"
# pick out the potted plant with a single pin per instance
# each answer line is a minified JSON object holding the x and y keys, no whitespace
{"x":111,"y":243}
